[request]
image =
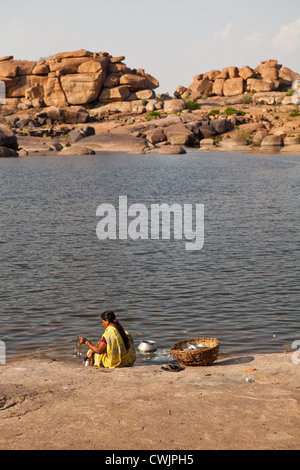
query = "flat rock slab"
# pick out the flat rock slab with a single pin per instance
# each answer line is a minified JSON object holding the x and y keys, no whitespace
{"x":113,"y":143}
{"x":171,"y":150}
{"x":245,"y":402}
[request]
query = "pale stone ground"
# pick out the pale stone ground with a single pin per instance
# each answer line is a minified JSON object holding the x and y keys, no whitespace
{"x":46,"y":404}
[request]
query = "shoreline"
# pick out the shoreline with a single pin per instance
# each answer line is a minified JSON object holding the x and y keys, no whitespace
{"x":187,"y":151}
{"x":240,"y":402}
{"x":251,"y":128}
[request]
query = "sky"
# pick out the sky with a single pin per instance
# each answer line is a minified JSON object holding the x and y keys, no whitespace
{"x":172,"y":40}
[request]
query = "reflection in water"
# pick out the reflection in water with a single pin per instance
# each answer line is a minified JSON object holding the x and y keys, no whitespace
{"x":57,"y":277}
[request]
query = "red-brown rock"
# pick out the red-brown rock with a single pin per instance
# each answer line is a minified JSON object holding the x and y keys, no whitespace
{"x":178,"y":134}
{"x":8,"y":138}
{"x":152,"y":83}
{"x":155,"y":136}
{"x":286,"y":74}
{"x":22,"y":83}
{"x":82,"y":88}
{"x":80,"y":53}
{"x":199,"y":88}
{"x":114,"y":94}
{"x":115,"y":60}
{"x":233,"y":87}
{"x":7,"y":57}
{"x":53,"y":93}
{"x":254,"y":84}
{"x":133,"y":82}
{"x":25,"y":67}
{"x":233,"y":72}
{"x":212,"y":75}
{"x":218,"y":86}
{"x":41,"y":69}
{"x":8,"y":69}
{"x":246,"y":72}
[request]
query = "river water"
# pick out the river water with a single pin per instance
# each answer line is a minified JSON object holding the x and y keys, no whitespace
{"x":57,"y":277}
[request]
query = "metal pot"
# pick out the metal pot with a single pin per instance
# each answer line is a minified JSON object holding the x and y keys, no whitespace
{"x":147,"y":346}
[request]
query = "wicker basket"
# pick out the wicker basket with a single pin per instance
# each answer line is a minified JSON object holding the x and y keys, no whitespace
{"x":196,"y":357}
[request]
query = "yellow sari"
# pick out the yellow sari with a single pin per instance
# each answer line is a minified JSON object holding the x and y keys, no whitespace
{"x":116,"y":354}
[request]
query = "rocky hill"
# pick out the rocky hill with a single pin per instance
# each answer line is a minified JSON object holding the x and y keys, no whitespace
{"x":231,"y":81}
{"x":74,"y":78}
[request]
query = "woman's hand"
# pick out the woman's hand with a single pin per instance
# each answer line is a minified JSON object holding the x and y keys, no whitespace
{"x":82,"y":340}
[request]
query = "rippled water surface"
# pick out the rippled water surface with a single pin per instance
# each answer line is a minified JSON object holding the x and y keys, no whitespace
{"x":57,"y":277}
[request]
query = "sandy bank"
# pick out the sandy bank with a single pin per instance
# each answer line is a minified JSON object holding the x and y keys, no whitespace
{"x":46,"y":404}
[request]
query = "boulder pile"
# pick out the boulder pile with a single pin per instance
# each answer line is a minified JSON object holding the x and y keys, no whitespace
{"x":232,"y":81}
{"x":74,"y":78}
{"x":85,"y":102}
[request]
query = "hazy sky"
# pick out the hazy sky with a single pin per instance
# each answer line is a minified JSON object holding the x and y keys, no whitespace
{"x":171,"y":39}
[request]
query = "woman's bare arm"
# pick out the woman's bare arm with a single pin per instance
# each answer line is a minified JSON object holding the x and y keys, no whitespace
{"x":99,"y":348}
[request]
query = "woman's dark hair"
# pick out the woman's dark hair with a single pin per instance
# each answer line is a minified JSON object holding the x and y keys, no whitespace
{"x":109,"y":316}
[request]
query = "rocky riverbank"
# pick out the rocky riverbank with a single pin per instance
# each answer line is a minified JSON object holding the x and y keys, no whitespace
{"x":84,"y":103}
{"x":216,"y":126}
{"x":245,"y":402}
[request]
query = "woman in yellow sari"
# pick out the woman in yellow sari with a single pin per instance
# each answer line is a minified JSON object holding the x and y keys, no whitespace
{"x":115,"y":349}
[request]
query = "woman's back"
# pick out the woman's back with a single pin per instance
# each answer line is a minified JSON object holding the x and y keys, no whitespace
{"x":116,"y":354}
